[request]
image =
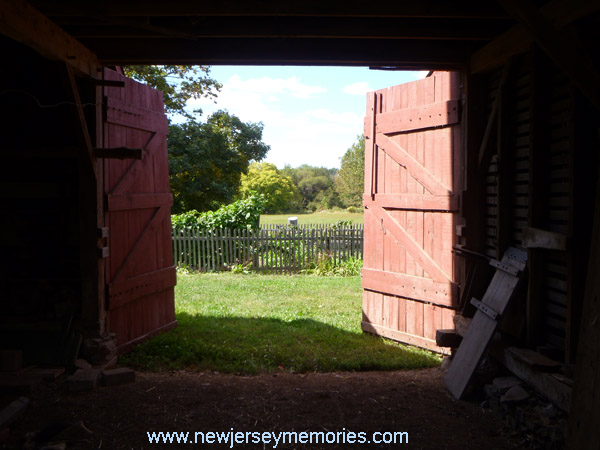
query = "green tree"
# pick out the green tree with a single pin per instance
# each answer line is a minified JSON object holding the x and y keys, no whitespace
{"x":316,"y":186}
{"x":178,"y":84}
{"x":280,"y":193}
{"x":206,"y":160}
{"x":350,"y":182}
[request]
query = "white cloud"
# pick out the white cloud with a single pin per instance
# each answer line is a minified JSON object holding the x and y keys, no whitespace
{"x":297,"y":130}
{"x":358,"y":88}
{"x":267,"y":85}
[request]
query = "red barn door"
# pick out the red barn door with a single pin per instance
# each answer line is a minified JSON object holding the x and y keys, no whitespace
{"x":412,"y":182}
{"x":140,"y":275}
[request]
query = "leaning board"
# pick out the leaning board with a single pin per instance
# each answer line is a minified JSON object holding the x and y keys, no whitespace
{"x":482,"y":327}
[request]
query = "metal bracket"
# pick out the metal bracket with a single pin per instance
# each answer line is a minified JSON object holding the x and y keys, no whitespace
{"x":505,"y":267}
{"x":492,"y":314}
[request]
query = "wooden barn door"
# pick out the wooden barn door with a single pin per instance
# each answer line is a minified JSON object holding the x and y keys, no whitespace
{"x":140,"y":274}
{"x":412,"y":182}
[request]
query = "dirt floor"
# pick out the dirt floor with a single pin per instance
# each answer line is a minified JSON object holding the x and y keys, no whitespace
{"x":414,"y":402}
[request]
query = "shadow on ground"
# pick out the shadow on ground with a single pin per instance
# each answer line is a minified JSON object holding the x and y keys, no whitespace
{"x":254,"y":345}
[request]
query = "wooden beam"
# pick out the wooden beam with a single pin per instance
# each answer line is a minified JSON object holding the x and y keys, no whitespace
{"x":23,"y":23}
{"x":539,"y":142}
{"x":537,"y":238}
{"x":285,"y":27}
{"x":399,"y":284}
{"x":425,"y":116}
{"x":426,"y":54}
{"x":420,"y":202}
{"x":546,"y":384}
{"x":558,"y":13}
{"x":306,"y":8}
{"x":485,"y":152}
{"x":83,"y":131}
{"x":448,"y":338}
{"x":565,"y":48}
{"x":584,"y":420}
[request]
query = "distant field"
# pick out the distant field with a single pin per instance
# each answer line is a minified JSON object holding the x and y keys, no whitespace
{"x":318,"y":217}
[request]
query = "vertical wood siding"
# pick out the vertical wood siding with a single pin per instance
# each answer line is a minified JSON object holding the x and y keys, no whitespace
{"x":140,"y":274}
{"x":413,"y":173}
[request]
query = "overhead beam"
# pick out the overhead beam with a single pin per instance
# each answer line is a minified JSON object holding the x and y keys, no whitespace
{"x":558,"y":13}
{"x":23,"y":23}
{"x":285,"y":27}
{"x":309,"y":8}
{"x":416,"y":54}
{"x":564,"y":48}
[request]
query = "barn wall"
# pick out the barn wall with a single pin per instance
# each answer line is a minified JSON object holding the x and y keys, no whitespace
{"x":542,"y":150}
{"x":42,"y":189}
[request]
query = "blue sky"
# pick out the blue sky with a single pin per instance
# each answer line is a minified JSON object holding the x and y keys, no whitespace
{"x":311,"y":115}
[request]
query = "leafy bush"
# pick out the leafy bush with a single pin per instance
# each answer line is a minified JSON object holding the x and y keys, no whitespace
{"x":327,"y":267}
{"x":342,"y":223}
{"x":242,"y":214}
{"x":354,"y":209}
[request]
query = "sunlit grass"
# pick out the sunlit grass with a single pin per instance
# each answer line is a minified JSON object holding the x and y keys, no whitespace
{"x":264,"y":323}
{"x":322,"y":217}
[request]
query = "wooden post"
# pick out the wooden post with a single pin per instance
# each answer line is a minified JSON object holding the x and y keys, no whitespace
{"x":538,"y":168}
{"x":584,"y":420}
{"x":91,"y":204}
{"x":583,"y":160}
{"x":505,"y":144}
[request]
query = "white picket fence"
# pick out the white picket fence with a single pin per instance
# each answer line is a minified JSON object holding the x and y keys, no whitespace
{"x":272,"y":248}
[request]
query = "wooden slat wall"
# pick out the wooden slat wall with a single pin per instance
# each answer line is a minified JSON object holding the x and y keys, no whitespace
{"x":521,"y":142}
{"x":512,"y":178}
{"x":491,"y":180}
{"x":557,"y":212}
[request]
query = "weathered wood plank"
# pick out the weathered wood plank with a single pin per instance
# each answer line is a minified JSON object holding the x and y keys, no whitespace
{"x":409,"y":286}
{"x":418,"y":118}
{"x":546,"y":384}
{"x":416,"y":169}
{"x":406,"y":240}
{"x":124,"y":113}
{"x":421,"y":202}
{"x":119,"y":153}
{"x":138,"y":201}
{"x":122,"y":292}
{"x":480,"y":331}
{"x":537,"y":238}
{"x":401,"y":336}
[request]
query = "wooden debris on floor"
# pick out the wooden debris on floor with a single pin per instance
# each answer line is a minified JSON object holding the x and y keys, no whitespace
{"x":533,"y":368}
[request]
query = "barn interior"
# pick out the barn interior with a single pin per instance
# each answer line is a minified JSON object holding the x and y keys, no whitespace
{"x":529,"y":117}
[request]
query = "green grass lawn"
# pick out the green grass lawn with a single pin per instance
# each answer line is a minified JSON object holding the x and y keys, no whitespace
{"x":263,"y":323}
{"x":322,"y":217}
